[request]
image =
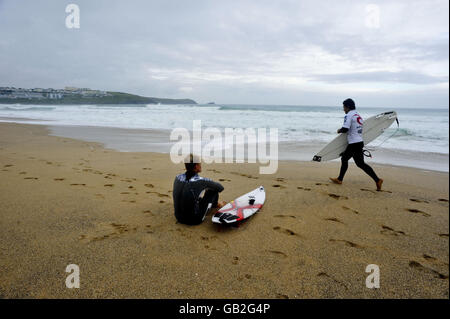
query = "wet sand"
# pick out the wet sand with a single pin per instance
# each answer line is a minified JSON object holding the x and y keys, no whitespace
{"x":65,"y":201}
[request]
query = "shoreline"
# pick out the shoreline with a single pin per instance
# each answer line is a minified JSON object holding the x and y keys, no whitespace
{"x":155,"y":140}
{"x":66,"y":201}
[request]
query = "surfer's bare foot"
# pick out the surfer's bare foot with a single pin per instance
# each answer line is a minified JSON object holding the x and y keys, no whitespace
{"x":221,"y":204}
{"x":379,"y":183}
{"x":336,"y":180}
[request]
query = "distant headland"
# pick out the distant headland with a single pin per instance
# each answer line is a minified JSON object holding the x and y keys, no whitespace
{"x":73,"y":95}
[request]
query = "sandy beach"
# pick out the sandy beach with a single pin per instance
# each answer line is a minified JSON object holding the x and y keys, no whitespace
{"x":65,"y":201}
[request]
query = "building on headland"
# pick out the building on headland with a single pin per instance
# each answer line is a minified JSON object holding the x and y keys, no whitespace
{"x":50,"y":93}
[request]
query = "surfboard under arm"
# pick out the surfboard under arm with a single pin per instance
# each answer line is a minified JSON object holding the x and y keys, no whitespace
{"x":372,"y":128}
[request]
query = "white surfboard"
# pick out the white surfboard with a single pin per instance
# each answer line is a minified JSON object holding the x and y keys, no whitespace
{"x":372,"y":128}
{"x":241,"y":208}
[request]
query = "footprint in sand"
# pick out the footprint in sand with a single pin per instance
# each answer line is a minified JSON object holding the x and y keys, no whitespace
{"x":149,"y":231}
{"x":22,"y":173}
{"x":334,"y":196}
{"x":108,"y":185}
{"x":146,"y":168}
{"x":320,"y":184}
{"x":149,"y":185}
{"x":333,"y":219}
{"x":285,"y":231}
{"x":443,"y":200}
{"x":443,"y":235}
{"x":74,"y":184}
{"x":244,"y":175}
{"x":324,"y":274}
{"x":278,"y":186}
{"x":122,"y":228}
{"x":375,"y":191}
{"x":34,"y":178}
{"x":214,"y":170}
{"x":59,"y":179}
{"x":284,"y":216}
{"x":278,"y":253}
{"x":428,"y":257}
{"x":418,"y":200}
{"x":417,"y":211}
{"x":416,"y":265}
{"x":347,"y":243}
{"x":280,"y":179}
{"x":304,"y":188}
{"x":118,"y":229}
{"x":235,"y":260}
{"x":390,"y":231}
{"x":147,"y":212}
{"x":159,"y":194}
{"x":281,"y":296}
{"x":350,"y":209}
{"x":8,"y":165}
{"x":224,"y":180}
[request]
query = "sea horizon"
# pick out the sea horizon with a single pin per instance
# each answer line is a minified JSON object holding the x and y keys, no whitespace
{"x":420,"y":140}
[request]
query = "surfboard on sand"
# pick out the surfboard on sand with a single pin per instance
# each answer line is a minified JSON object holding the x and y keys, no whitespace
{"x":241,"y":208}
{"x":372,"y":128}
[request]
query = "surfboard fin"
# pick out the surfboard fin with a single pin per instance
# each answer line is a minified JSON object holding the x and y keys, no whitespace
{"x":207,"y":211}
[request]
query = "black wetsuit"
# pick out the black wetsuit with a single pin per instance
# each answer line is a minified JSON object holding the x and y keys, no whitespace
{"x":192,"y":197}
{"x":355,"y":150}
{"x":353,"y":126}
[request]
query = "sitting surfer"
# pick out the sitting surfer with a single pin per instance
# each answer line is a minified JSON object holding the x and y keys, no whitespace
{"x":194,"y":196}
{"x":353,"y":126}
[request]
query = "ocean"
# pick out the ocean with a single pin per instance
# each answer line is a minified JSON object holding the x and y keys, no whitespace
{"x":421,"y":140}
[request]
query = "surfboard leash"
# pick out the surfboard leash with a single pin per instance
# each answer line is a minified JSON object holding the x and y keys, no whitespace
{"x":368,"y":150}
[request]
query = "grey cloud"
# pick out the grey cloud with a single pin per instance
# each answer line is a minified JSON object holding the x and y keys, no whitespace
{"x":121,"y":42}
{"x":382,"y":76}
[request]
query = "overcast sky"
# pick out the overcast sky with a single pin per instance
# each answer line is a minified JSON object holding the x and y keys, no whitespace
{"x":234,"y":51}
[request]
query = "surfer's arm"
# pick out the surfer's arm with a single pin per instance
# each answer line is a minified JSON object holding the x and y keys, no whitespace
{"x":346,"y":126}
{"x":213,"y":185}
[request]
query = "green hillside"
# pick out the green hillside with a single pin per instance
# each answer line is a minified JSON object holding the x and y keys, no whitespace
{"x":113,"y":98}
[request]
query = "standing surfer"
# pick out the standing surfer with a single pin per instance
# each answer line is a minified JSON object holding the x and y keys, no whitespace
{"x":194,"y":196}
{"x":353,"y":126}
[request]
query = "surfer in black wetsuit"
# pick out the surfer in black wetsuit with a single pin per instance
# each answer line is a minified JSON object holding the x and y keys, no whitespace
{"x":353,"y":126}
{"x":194,"y":196}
